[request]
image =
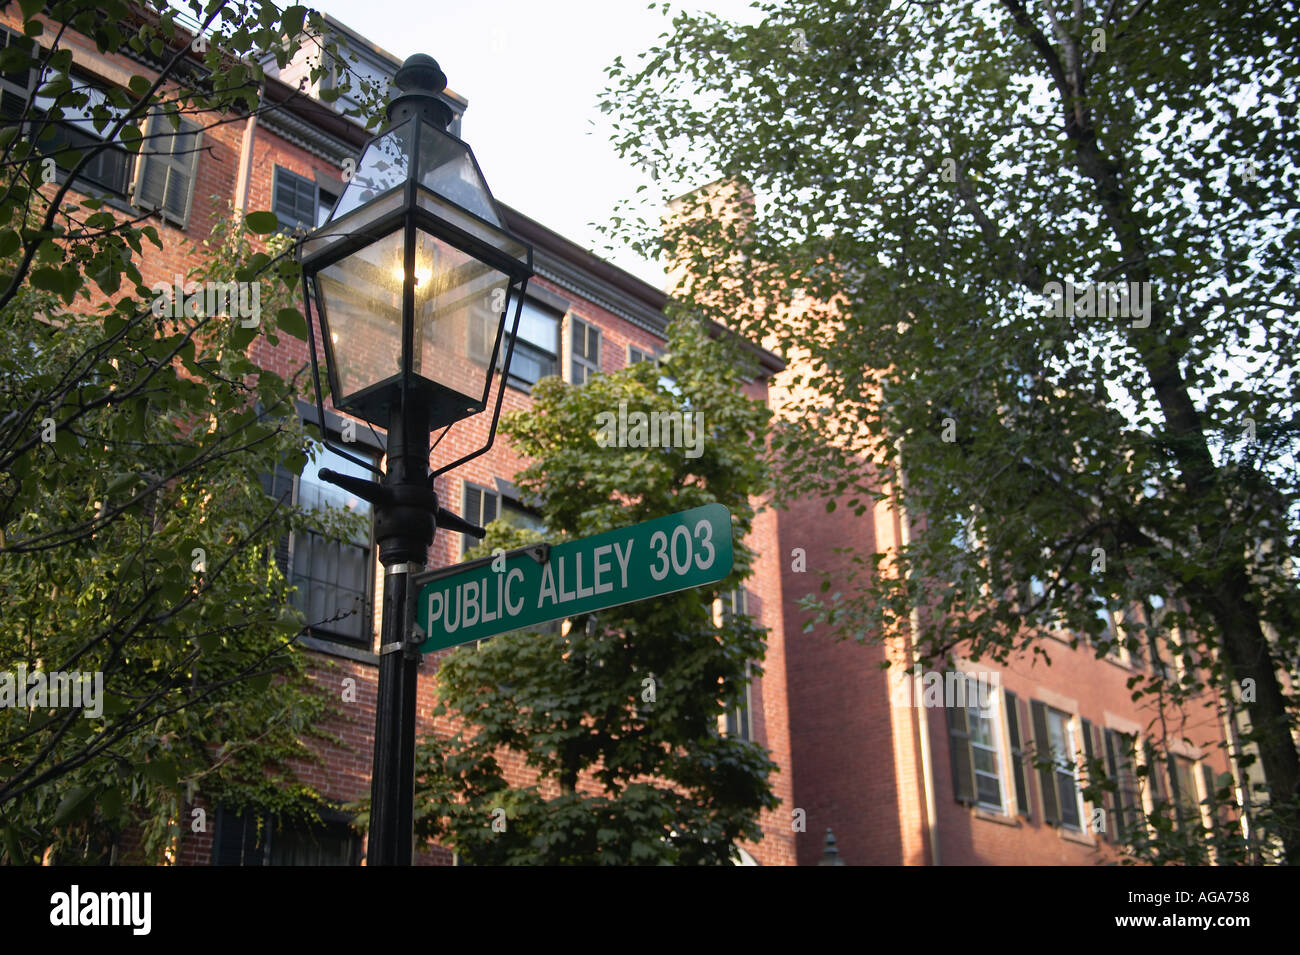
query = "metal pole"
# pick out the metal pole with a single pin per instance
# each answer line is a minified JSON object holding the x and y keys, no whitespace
{"x":404,"y":528}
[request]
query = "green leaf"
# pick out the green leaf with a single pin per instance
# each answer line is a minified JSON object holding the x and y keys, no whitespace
{"x":241,"y":336}
{"x":9,"y":242}
{"x":75,"y":804}
{"x":110,"y":802}
{"x":290,"y":320}
{"x":261,"y":223}
{"x":119,"y":483}
{"x":288,"y":622}
{"x":291,"y":20}
{"x":131,"y":138}
{"x":46,"y":279}
{"x":160,"y":771}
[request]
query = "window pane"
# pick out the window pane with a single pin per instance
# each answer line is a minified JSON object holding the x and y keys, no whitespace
{"x":324,"y":206}
{"x":986,"y":760}
{"x":516,"y":516}
{"x":539,"y":328}
{"x":316,"y":494}
{"x":988,"y":790}
{"x":294,"y":203}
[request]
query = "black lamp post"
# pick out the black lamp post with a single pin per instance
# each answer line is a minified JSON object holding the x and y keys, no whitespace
{"x":413,"y":277}
{"x":830,"y":852}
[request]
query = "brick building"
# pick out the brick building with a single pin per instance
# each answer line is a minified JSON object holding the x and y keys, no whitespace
{"x":898,"y":783}
{"x":895,"y":762}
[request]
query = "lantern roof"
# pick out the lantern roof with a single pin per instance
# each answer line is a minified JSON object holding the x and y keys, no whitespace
{"x":417,"y":150}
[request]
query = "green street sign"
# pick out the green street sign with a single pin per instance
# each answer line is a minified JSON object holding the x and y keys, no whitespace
{"x":531,"y":585}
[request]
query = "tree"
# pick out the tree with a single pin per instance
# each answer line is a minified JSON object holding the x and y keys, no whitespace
{"x":618,"y":716}
{"x":946,"y":194}
{"x":136,"y":539}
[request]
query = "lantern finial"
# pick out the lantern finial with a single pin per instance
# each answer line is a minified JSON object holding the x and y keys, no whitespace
{"x":421,"y":80}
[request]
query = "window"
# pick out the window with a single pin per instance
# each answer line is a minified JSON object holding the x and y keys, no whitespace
{"x":482,"y":507}
{"x":1057,"y":772}
{"x":1188,"y":800}
{"x":637,"y":355}
{"x":16,"y":85}
{"x":299,"y":202}
{"x":1019,"y":752}
{"x":253,"y":839}
{"x":165,"y":174}
{"x":1109,"y":639}
{"x":1219,"y":811}
{"x":1031,"y":593}
{"x":333,"y":575}
{"x":973,"y":747}
{"x":585,"y":351}
{"x":1120,"y":763}
{"x":81,"y":129}
{"x":738,"y":722}
{"x":537,"y":346}
{"x":1155,"y":777}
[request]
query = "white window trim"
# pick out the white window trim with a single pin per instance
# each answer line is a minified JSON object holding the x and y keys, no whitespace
{"x":717,"y":609}
{"x":571,"y":356}
{"x":1002,"y":749}
{"x":1001,"y":736}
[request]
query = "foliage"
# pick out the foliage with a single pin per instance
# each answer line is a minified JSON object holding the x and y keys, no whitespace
{"x":618,"y":716}
{"x":136,"y":536}
{"x":922,"y":172}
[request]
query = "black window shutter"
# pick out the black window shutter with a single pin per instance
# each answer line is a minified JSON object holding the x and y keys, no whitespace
{"x":1207,"y":776}
{"x":963,"y":776}
{"x":1112,"y":767}
{"x":1017,"y":754}
{"x":1155,"y":775}
{"x":1095,"y":774}
{"x":1027,"y":748}
{"x":473,"y":505}
{"x":1046,"y":772}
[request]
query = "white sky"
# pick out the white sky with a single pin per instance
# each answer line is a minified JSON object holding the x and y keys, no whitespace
{"x":533,"y":73}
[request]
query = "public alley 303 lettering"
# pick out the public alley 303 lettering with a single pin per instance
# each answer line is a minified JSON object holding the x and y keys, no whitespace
{"x":568,"y":578}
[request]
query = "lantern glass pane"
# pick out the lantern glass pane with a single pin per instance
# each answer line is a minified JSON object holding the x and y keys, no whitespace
{"x":362,"y":296}
{"x":496,"y":238}
{"x":448,"y":169}
{"x":384,"y":164}
{"x":360,"y":222}
{"x":458,"y":305}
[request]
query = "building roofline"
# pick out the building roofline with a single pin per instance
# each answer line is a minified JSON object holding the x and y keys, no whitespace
{"x":379,"y":51}
{"x":635,"y":289}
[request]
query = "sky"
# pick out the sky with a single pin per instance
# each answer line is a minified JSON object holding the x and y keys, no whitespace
{"x":533,"y":73}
